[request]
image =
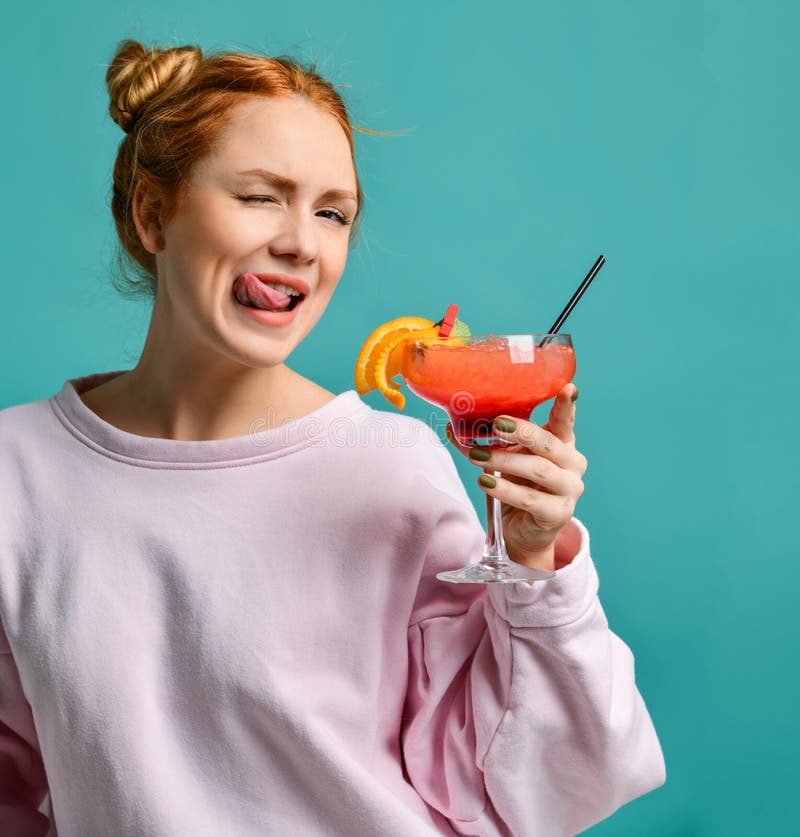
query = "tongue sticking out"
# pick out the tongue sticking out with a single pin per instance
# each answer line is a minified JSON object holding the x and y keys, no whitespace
{"x":250,"y":290}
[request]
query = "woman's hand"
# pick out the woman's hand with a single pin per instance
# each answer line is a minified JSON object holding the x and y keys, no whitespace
{"x":541,"y":483}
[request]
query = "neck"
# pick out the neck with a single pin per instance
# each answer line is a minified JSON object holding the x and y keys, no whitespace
{"x":181,"y":396}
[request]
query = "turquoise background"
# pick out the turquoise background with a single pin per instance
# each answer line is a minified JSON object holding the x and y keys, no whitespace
{"x":540,"y":135}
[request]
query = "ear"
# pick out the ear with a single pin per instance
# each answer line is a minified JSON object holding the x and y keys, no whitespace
{"x":147,"y":208}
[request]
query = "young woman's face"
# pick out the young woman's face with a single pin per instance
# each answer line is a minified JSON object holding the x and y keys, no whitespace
{"x":268,"y":211}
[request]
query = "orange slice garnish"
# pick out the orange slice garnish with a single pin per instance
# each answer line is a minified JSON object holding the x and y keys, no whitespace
{"x":378,"y":363}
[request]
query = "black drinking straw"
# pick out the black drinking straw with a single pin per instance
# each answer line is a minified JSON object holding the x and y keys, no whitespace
{"x":601,"y":260}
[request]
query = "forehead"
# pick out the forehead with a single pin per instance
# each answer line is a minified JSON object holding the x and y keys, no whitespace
{"x":288,"y":135}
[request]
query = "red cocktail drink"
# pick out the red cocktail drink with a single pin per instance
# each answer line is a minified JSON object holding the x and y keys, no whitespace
{"x":476,"y":379}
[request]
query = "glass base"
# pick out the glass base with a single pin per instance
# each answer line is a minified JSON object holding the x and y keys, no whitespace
{"x":495,"y":573}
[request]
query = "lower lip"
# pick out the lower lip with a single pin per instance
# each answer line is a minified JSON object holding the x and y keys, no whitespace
{"x":270,"y":318}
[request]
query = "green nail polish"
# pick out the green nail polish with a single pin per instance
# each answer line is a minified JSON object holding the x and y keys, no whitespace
{"x":479,"y":455}
{"x":505,"y":426}
{"x":574,"y":396}
{"x":486,"y":481}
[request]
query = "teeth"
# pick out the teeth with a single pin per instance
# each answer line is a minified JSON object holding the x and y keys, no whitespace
{"x":284,"y":289}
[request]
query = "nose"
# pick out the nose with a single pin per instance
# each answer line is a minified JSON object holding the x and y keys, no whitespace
{"x":296,"y":238}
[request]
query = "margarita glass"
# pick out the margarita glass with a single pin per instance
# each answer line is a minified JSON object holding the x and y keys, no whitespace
{"x":475,"y":379}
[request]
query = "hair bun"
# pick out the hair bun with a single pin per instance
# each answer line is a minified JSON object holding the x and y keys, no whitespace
{"x":138,"y":76}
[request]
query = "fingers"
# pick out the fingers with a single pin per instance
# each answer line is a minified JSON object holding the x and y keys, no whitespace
{"x":547,"y":511}
{"x":561,"y":422}
{"x":530,"y":438}
{"x":540,"y":441}
{"x":543,"y":473}
{"x":540,"y":483}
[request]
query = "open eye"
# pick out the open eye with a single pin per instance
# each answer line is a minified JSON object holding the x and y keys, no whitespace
{"x":335,"y":215}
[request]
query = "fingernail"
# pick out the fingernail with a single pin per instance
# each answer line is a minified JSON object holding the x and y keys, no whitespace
{"x":486,"y":481}
{"x":479,"y":455}
{"x":505,"y":425}
{"x":574,"y":396}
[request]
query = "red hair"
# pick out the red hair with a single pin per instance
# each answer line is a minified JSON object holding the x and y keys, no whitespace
{"x":172,"y":104}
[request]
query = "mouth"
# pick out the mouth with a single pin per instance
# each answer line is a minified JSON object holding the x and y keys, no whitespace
{"x":293,"y":303}
{"x":276,"y":292}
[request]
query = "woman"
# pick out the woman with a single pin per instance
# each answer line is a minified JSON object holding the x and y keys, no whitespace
{"x":220,"y":610}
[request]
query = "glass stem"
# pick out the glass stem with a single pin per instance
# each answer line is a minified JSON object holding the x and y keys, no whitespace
{"x":494,"y":551}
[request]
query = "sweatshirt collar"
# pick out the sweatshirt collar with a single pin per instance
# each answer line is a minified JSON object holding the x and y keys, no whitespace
{"x":258,"y":445}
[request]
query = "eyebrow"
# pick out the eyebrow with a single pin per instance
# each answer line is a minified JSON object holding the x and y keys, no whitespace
{"x":289,"y":185}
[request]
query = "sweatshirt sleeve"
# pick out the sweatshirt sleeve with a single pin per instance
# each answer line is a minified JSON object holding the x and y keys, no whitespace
{"x":23,"y":784}
{"x":522,"y":713}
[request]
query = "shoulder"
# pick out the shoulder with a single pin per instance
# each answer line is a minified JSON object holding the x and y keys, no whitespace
{"x":31,"y":435}
{"x":407,"y":452}
{"x":22,"y":422}
{"x":28,"y":461}
{"x":358,"y":425}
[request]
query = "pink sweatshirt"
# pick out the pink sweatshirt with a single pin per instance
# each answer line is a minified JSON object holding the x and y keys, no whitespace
{"x":245,"y":637}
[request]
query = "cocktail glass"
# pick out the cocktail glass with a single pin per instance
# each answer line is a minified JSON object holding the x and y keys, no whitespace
{"x":475,"y":379}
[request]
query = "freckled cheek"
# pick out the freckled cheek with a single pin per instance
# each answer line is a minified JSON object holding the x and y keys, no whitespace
{"x":334,"y":267}
{"x":220,"y":229}
{"x":233,"y":239}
